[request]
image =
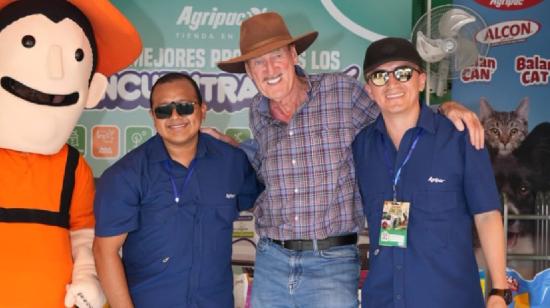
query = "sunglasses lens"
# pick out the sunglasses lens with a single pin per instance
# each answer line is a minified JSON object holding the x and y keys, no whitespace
{"x":379,"y":78}
{"x":403,"y":74}
{"x":185,"y":108}
{"x":182,"y":108}
{"x":164,"y":111}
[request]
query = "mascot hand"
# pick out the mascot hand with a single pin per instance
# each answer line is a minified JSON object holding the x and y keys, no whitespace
{"x":85,"y":290}
{"x":84,"y":295}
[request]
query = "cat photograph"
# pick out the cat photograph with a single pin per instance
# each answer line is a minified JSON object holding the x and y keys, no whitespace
{"x":504,"y":130}
{"x":521,"y":163}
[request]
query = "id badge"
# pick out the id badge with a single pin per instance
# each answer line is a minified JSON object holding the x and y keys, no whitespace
{"x":393,"y":227}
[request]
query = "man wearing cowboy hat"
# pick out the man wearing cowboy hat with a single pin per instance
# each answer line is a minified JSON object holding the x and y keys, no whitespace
{"x":310,"y":212}
{"x":55,"y":57}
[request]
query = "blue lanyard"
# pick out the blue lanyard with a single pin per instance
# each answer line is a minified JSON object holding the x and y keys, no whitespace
{"x":168,"y":166}
{"x":397,"y":175}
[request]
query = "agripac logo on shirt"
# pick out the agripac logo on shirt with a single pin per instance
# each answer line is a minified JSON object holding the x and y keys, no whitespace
{"x":508,"y":5}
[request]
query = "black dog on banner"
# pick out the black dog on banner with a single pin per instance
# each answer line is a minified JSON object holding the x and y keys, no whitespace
{"x":520,"y":176}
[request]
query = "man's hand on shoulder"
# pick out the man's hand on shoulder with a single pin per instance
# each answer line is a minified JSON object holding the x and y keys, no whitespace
{"x":212,"y":131}
{"x":460,"y":116}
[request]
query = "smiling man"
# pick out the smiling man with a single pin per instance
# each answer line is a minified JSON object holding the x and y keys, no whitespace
{"x":170,"y":204}
{"x":309,"y":215}
{"x":423,"y":186}
{"x":55,"y":56}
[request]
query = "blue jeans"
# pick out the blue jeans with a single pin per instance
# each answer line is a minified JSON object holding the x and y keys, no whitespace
{"x":317,"y":279}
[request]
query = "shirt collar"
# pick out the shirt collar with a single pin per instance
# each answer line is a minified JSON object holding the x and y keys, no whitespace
{"x":426,"y":120}
{"x":158,"y":151}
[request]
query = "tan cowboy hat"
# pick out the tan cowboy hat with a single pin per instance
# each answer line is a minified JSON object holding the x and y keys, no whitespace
{"x":118,"y":42}
{"x":261,"y":34}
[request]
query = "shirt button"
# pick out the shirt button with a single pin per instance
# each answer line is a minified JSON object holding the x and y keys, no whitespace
{"x":399,"y":267}
{"x":296,"y":218}
{"x":376,"y":251}
{"x":294,"y":162}
{"x":165,"y":259}
{"x":296,"y":190}
{"x":398,"y":296}
{"x":291,"y":133}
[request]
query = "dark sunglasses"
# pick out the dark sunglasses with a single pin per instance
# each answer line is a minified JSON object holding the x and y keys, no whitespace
{"x":402,"y":73}
{"x":182,"y":108}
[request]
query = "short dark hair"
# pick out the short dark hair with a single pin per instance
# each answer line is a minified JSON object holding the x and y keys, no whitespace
{"x":56,"y":11}
{"x":171,"y":77}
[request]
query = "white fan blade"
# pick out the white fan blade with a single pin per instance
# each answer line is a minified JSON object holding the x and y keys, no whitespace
{"x":466,"y":53}
{"x":429,"y":49}
{"x":452,"y":21}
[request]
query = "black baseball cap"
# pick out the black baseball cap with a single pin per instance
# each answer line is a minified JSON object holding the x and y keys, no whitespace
{"x":390,"y":49}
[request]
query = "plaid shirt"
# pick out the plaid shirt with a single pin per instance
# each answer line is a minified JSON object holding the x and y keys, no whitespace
{"x":307,"y":164}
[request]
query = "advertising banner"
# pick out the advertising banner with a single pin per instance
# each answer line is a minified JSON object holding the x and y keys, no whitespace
{"x":191,"y":36}
{"x":509,"y":88}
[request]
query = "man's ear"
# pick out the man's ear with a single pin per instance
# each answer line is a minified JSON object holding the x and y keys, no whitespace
{"x":203,"y":110}
{"x":368,"y":89}
{"x":422,"y":77}
{"x":293,"y":54}
{"x":97,"y":89}
{"x":246,"y":69}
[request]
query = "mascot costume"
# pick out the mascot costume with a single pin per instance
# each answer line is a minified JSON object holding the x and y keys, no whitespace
{"x":55,"y":57}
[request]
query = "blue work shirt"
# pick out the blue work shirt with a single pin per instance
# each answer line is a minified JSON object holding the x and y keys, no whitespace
{"x":176,"y":254}
{"x":447,"y":181}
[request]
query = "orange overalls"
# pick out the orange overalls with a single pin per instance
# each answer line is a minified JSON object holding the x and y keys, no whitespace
{"x":35,"y":249}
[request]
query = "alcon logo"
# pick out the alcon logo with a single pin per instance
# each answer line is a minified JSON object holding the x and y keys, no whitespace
{"x":508,"y":32}
{"x":214,"y":18}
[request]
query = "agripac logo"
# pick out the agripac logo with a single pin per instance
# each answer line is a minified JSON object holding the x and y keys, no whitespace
{"x":509,"y":4}
{"x":214,"y":18}
{"x":508,"y":32}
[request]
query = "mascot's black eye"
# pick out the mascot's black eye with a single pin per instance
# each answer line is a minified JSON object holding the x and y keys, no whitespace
{"x":28,"y":41}
{"x":79,"y":54}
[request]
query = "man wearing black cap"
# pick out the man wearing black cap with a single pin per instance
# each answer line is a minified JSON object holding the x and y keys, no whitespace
{"x":421,"y":183}
{"x":310,"y":212}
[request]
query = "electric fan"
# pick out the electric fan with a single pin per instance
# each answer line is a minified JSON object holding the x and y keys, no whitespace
{"x":445,"y":39}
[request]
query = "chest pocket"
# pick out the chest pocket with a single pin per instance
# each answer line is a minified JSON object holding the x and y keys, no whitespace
{"x":217,"y":216}
{"x":431,"y":218}
{"x":162,"y":242}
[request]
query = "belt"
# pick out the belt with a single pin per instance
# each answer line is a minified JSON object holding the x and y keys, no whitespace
{"x":333,"y":241}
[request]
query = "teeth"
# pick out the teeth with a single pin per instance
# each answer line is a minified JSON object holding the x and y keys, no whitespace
{"x":273,"y":81}
{"x":394,"y":95}
{"x":178,"y":125}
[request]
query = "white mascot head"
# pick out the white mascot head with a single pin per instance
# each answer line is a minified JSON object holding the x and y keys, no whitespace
{"x":55,"y":57}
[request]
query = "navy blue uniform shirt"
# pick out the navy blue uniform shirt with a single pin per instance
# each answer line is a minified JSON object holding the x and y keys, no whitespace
{"x":176,"y":254}
{"x":447,"y":182}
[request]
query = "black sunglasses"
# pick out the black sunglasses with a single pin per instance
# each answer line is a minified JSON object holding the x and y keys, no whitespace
{"x":402,"y":73}
{"x":182,"y":108}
